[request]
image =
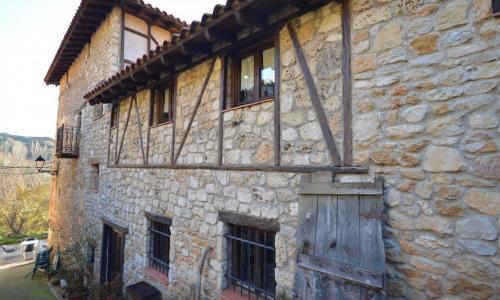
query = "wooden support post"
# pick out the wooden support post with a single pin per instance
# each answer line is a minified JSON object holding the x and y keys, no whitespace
{"x":140,"y":129}
{"x":172,"y":151}
{"x":109,"y":138}
{"x":222,"y":99}
{"x":315,"y":99}
{"x":124,"y":131}
{"x":195,"y":110}
{"x":277,"y":105}
{"x":117,"y":131}
{"x":151,"y":99}
{"x":347,"y":82}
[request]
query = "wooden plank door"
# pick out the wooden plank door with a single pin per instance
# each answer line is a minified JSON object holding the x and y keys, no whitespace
{"x":340,"y":248}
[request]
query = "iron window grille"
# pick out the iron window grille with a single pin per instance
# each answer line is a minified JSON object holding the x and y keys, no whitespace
{"x":159,"y":246}
{"x":252,"y":262}
{"x":68,"y":142}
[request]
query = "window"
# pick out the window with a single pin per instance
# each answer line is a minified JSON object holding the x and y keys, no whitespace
{"x":97,"y":113}
{"x":496,"y":8}
{"x":254,"y":74}
{"x":162,"y":105}
{"x":114,"y":116}
{"x":252,"y":261}
{"x":159,"y":244}
{"x":140,"y":37}
{"x":94,"y":177}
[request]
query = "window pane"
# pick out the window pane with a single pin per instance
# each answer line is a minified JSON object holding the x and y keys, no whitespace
{"x":267,"y":73}
{"x":135,"y":23}
{"x":247,"y":79}
{"x":135,"y":46}
{"x":166,"y":105}
{"x":161,"y":35}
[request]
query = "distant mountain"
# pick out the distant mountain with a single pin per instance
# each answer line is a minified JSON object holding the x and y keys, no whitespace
{"x":14,"y":148}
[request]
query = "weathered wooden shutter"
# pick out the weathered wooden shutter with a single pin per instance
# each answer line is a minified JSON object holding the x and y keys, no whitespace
{"x":340,"y":251}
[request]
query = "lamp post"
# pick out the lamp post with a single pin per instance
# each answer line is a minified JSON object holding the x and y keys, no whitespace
{"x":40,"y":163}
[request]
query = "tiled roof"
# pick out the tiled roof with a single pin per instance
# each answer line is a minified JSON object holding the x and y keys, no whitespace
{"x":214,"y":33}
{"x":87,"y":19}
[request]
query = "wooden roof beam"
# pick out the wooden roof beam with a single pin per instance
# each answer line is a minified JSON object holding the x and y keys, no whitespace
{"x":195,"y":48}
{"x":213,"y":35}
{"x":250,"y":18}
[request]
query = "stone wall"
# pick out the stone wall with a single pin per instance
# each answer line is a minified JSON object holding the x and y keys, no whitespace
{"x":426,"y":115}
{"x":320,"y":35}
{"x":193,"y":198}
{"x":98,"y":60}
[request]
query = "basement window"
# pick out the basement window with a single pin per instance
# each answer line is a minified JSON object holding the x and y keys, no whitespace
{"x":162,"y":105}
{"x":159,"y":245}
{"x":94,"y":177}
{"x":253,"y":74}
{"x":252,"y":260}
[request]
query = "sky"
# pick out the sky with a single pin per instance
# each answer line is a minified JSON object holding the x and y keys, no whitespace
{"x":30,"y":34}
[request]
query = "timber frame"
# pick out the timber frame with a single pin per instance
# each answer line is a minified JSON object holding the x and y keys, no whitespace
{"x":251,"y":21}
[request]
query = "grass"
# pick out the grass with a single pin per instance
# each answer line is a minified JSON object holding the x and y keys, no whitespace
{"x":14,"y":286}
{"x":6,"y":239}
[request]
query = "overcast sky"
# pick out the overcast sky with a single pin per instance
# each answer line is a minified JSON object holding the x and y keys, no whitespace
{"x":30,"y":34}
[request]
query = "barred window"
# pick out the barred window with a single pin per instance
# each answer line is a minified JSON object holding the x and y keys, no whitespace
{"x":94,"y":177}
{"x":159,"y":246}
{"x":252,"y":262}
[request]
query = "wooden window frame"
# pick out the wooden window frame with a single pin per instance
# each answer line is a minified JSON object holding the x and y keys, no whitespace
{"x":149,"y":36}
{"x":495,"y":7}
{"x":115,"y":111}
{"x":256,"y":51}
{"x":157,"y":105}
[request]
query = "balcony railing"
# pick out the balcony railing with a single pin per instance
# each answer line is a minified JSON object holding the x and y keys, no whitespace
{"x":68,"y":141}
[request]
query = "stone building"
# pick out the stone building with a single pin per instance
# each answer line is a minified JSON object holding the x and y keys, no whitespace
{"x":214,"y":137}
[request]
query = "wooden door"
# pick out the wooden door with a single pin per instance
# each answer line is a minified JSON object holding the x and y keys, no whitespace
{"x":112,"y":254}
{"x":340,"y":251}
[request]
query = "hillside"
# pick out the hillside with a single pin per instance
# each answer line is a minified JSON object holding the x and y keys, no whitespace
{"x":15,"y":148}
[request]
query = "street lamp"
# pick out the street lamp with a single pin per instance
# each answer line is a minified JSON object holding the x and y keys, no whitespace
{"x":40,"y":163}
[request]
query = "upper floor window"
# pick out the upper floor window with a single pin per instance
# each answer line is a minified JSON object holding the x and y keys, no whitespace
{"x":114,"y":116}
{"x":162,"y":104}
{"x":253,"y":74}
{"x":139,"y":38}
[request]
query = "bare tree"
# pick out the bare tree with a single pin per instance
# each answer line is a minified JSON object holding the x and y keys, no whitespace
{"x":23,"y":202}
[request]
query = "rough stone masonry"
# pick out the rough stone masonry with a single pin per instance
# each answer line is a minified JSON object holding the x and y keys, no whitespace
{"x":426,"y":114}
